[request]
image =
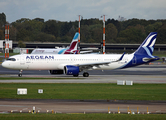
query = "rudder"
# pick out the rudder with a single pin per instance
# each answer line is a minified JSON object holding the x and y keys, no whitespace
{"x":74,"y":42}
{"x":147,"y":47}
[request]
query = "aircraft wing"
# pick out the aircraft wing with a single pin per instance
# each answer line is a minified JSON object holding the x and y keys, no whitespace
{"x":84,"y":52}
{"x":96,"y":65}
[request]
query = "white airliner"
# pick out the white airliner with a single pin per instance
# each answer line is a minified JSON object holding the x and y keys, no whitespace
{"x":72,"y":64}
{"x":70,"y":50}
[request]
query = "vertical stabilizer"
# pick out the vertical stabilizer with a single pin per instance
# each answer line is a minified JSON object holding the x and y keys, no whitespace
{"x":74,"y":42}
{"x":147,"y":47}
{"x":73,"y":46}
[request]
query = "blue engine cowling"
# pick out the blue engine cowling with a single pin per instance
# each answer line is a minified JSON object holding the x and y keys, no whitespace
{"x":71,"y":70}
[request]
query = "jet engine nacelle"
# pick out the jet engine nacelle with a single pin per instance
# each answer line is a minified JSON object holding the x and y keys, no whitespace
{"x":71,"y":70}
{"x":56,"y":71}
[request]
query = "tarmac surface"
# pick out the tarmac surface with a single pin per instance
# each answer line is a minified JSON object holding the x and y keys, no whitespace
{"x":155,"y":73}
{"x":82,"y":106}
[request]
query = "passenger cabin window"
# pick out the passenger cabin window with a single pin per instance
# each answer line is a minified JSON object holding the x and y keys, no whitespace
{"x":11,"y":59}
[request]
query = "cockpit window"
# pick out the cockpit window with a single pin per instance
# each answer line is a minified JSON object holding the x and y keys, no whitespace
{"x":11,"y":59}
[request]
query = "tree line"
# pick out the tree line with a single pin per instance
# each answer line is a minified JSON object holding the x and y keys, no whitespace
{"x":38,"y":30}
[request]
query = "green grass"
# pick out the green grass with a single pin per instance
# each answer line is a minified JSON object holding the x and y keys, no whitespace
{"x":82,"y":117}
{"x":86,"y":91}
{"x":10,"y":54}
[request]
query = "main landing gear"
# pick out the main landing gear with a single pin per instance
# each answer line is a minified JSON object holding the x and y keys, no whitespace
{"x":86,"y":74}
{"x":20,"y":73}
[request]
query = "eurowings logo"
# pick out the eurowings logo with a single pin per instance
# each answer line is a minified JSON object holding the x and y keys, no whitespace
{"x":149,"y":45}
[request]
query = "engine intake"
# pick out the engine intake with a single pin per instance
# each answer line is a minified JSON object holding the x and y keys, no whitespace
{"x":71,"y":70}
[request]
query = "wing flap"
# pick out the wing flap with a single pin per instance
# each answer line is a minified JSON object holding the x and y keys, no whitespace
{"x":91,"y":65}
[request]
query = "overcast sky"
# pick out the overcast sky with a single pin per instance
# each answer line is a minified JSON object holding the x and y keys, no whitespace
{"x":68,"y":10}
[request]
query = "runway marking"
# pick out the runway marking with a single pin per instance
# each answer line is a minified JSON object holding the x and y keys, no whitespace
{"x":12,"y":106}
{"x":75,"y":113}
{"x":25,"y":109}
{"x":155,"y":76}
{"x":15,"y":110}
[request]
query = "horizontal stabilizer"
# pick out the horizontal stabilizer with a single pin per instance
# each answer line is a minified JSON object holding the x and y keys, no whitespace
{"x":148,"y":59}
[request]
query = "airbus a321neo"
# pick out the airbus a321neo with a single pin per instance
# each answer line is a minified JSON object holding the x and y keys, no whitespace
{"x":72,"y":64}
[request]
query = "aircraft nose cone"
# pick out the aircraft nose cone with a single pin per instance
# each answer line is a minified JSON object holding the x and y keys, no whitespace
{"x":4,"y":64}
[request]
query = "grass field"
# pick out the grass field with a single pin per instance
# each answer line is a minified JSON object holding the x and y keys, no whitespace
{"x":81,"y":117}
{"x":86,"y":91}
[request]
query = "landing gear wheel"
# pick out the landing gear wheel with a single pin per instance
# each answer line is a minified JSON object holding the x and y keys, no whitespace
{"x":19,"y":75}
{"x":75,"y":75}
{"x":86,"y":74}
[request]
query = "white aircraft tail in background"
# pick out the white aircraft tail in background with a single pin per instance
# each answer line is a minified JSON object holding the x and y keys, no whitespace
{"x":72,"y":49}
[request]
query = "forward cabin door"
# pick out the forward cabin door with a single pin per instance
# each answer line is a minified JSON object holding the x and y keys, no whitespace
{"x":22,"y":60}
{"x":23,"y":64}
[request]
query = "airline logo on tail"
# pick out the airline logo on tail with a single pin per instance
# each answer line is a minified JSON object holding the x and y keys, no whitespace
{"x":69,"y":50}
{"x":144,"y":53}
{"x":147,"y":47}
{"x":73,"y":46}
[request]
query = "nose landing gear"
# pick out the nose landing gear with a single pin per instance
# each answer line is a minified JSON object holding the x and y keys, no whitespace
{"x":20,"y":73}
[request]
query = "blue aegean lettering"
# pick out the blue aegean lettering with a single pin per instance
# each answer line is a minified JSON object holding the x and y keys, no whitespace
{"x":39,"y":57}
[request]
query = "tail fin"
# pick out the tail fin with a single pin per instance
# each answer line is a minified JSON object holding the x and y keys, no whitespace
{"x":147,"y":47}
{"x":73,"y":44}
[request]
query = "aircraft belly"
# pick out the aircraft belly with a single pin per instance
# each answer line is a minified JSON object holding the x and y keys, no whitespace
{"x":41,"y":66}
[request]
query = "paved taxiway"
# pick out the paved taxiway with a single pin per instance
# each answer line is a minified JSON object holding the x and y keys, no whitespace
{"x":141,"y":74}
{"x":81,"y":106}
